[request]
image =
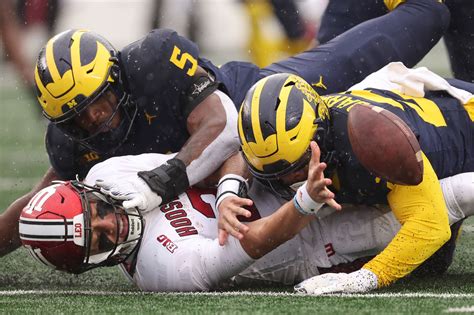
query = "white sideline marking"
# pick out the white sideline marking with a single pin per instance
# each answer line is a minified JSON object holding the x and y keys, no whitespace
{"x":466,"y":309}
{"x":240,"y":293}
{"x":466,"y":228}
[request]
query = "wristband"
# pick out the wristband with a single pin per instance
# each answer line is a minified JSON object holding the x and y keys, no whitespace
{"x":304,"y":203}
{"x":231,"y":184}
{"x":167,"y":180}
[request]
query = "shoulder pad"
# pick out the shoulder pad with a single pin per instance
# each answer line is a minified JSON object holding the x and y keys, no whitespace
{"x":161,"y":60}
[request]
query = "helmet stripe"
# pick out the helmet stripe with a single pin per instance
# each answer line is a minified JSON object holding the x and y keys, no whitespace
{"x":254,"y":115}
{"x":52,"y":66}
{"x":50,"y":238}
{"x":44,"y":221}
{"x":48,"y":230}
{"x":281,"y":115}
{"x":61,"y":46}
{"x":76,"y":52}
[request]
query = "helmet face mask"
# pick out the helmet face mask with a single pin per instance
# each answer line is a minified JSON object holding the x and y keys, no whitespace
{"x":74,"y":69}
{"x":106,"y":138}
{"x":60,"y":228}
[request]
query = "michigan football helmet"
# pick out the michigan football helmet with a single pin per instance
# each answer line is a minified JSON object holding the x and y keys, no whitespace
{"x":277,"y":121}
{"x":73,"y":70}
{"x":58,"y":226}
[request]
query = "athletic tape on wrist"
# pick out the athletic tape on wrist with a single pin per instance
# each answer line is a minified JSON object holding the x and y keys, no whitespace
{"x":231,"y":184}
{"x":304,"y":203}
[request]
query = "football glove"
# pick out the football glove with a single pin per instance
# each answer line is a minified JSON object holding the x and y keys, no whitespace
{"x":134,"y":193}
{"x":362,"y":280}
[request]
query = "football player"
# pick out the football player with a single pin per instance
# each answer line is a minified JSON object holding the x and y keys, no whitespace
{"x":459,"y":38}
{"x":281,"y":114}
{"x":265,"y":49}
{"x":158,"y":95}
{"x":74,"y":227}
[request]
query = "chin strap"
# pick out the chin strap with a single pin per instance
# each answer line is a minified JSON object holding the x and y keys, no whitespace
{"x":168,"y":180}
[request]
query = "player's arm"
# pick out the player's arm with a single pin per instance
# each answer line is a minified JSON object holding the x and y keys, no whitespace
{"x":265,"y":234}
{"x":213,"y":139}
{"x":425,"y":228}
{"x":269,"y":232}
{"x":9,"y":238}
{"x":213,"y":129}
{"x":210,"y":115}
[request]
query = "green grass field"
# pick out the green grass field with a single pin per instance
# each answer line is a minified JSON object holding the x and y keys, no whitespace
{"x":27,"y":287}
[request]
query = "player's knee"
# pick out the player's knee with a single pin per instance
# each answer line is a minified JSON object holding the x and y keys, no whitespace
{"x":437,"y":13}
{"x":459,"y":195}
{"x":465,"y":194}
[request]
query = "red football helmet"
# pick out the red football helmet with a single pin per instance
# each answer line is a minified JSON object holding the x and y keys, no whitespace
{"x":56,"y":228}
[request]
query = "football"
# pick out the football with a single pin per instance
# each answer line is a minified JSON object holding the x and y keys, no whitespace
{"x":385,"y":145}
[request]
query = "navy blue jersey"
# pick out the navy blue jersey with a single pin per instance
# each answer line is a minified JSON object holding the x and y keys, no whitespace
{"x":158,"y":70}
{"x":459,"y":37}
{"x":442,"y":125}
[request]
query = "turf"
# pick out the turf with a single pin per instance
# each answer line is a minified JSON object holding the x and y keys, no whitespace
{"x":27,"y":287}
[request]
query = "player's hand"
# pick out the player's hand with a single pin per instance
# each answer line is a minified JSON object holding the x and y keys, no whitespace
{"x":362,"y":280}
{"x":134,"y":192}
{"x":316,"y":184}
{"x":229,"y":209}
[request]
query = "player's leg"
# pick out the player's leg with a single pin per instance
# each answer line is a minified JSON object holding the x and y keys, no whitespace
{"x":458,"y":193}
{"x":361,"y":231}
{"x":406,"y":34}
{"x":459,"y":39}
{"x":356,"y":232}
{"x":341,"y":16}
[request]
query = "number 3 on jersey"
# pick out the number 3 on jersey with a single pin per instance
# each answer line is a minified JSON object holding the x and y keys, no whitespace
{"x":179,"y":60}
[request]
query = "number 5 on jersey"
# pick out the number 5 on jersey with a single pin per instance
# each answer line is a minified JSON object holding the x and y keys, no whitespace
{"x":179,"y":60}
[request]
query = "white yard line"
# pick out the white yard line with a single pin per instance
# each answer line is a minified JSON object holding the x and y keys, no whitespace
{"x":468,"y":228}
{"x":240,"y":293}
{"x":466,"y":309}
